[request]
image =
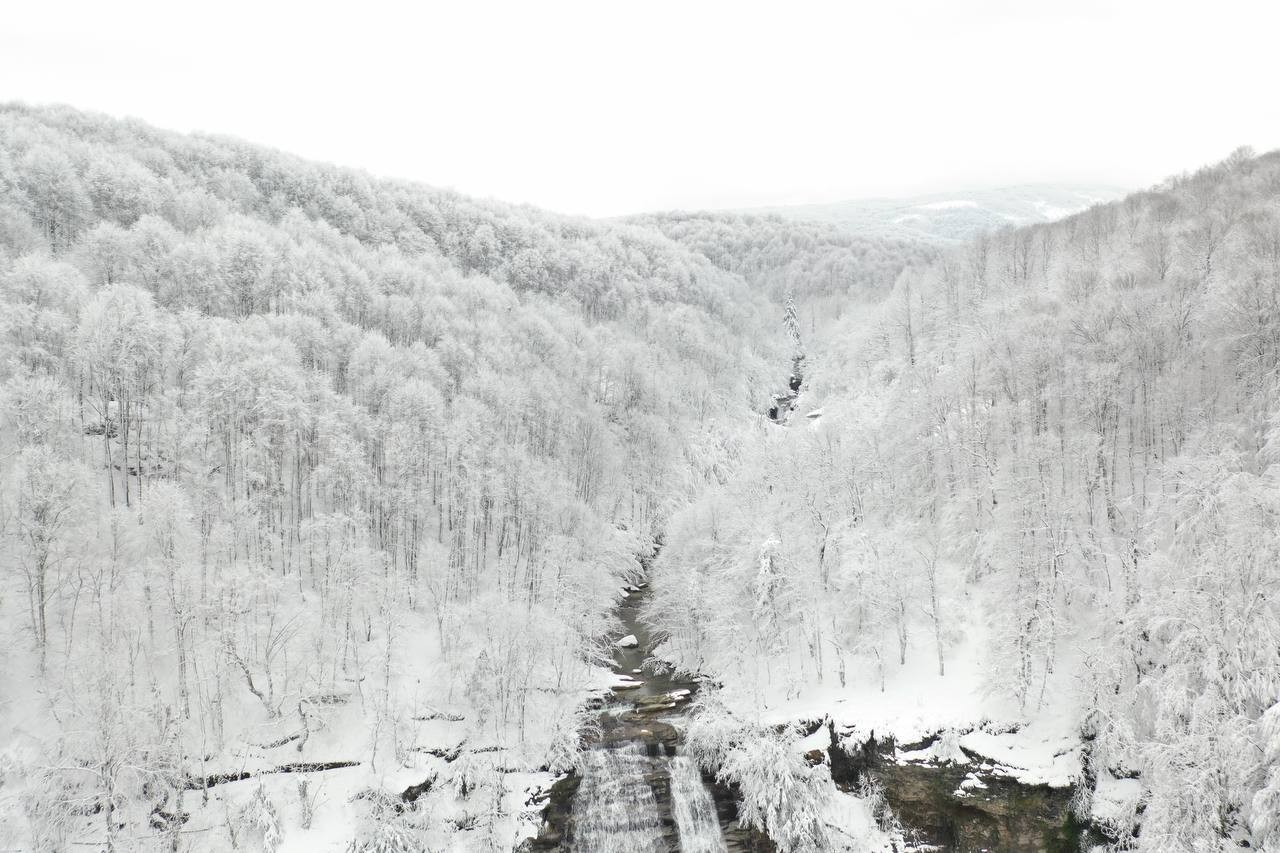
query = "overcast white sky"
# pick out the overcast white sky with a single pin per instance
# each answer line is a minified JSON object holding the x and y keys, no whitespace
{"x":606,"y":107}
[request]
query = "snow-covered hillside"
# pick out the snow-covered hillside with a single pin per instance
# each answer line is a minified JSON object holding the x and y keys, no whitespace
{"x":319,"y":495}
{"x":317,"y":491}
{"x":1036,"y":518}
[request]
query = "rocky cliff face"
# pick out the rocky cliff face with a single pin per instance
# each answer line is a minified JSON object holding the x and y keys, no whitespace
{"x":951,"y":806}
{"x":958,"y":808}
{"x":962,"y":807}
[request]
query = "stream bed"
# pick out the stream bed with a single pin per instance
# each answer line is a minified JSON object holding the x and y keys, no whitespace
{"x":635,"y":791}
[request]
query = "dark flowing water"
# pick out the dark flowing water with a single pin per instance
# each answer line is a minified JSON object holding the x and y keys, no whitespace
{"x":634,"y":792}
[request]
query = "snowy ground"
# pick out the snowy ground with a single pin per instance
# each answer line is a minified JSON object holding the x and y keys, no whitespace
{"x":1035,"y":746}
{"x":484,"y":797}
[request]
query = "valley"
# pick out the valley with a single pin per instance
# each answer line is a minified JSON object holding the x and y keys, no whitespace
{"x":344,"y":513}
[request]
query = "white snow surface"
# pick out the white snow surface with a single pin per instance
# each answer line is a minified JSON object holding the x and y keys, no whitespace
{"x":340,"y":731}
{"x":1035,"y":746}
{"x":1115,"y":801}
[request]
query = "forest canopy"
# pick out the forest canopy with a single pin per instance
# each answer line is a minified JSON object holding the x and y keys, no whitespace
{"x":305,"y":472}
{"x":296,"y":456}
{"x":1034,"y":504}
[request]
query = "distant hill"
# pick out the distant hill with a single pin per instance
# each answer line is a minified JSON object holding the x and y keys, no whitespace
{"x":952,"y":217}
{"x":806,"y":258}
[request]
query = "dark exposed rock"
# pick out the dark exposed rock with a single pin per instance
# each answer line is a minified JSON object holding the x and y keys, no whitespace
{"x":164,"y":820}
{"x":783,"y":404}
{"x":737,"y":838}
{"x":999,"y":814}
{"x":635,"y":726}
{"x":1003,"y":815}
{"x":413,"y":792}
{"x":556,"y":815}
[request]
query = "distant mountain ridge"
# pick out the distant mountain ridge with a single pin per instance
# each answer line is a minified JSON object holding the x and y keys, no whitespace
{"x":952,"y":217}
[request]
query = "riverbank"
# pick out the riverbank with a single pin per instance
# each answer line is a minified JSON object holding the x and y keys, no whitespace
{"x":661,"y":800}
{"x":949,"y":785}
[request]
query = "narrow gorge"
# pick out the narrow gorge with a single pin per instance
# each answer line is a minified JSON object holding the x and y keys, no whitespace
{"x":341,"y":513}
{"x":635,"y":790}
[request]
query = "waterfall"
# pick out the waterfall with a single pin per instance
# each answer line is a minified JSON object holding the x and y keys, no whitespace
{"x":615,"y":809}
{"x":627,"y":801}
{"x":694,"y":809}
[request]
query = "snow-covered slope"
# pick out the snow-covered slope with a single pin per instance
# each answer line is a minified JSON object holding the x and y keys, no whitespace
{"x":317,"y":490}
{"x":1037,"y":514}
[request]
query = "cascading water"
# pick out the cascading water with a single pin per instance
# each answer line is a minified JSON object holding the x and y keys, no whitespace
{"x":617,"y":812}
{"x":632,"y":793}
{"x":694,"y":809}
{"x":615,"y":809}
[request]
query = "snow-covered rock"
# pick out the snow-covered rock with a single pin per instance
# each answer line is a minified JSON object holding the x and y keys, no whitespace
{"x":970,"y":783}
{"x":628,"y":642}
{"x":1116,"y":802}
{"x":944,"y":750}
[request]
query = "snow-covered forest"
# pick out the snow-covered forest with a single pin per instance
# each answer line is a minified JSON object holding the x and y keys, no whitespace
{"x":319,"y":494}
{"x":807,"y":259}
{"x":1030,"y":502}
{"x":298,"y":467}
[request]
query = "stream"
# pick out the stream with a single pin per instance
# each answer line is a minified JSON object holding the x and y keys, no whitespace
{"x":637,"y":793}
{"x":634,"y":791}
